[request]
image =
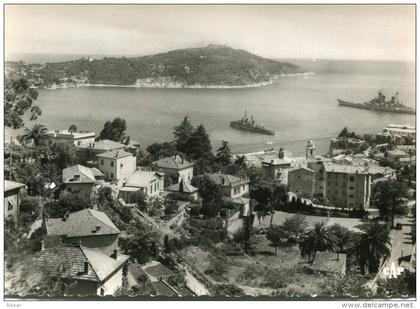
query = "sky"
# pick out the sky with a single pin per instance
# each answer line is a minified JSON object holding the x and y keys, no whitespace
{"x":359,"y":32}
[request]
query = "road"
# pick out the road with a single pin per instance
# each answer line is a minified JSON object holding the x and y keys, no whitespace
{"x":400,"y":242}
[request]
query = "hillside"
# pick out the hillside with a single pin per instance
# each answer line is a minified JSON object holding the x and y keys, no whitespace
{"x":212,"y":65}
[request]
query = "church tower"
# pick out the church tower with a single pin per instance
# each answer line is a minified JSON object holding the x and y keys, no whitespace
{"x":310,"y":150}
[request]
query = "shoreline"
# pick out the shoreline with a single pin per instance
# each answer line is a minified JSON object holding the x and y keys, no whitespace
{"x":148,"y":83}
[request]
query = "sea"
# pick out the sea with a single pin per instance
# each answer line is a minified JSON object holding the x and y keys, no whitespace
{"x":297,"y":108}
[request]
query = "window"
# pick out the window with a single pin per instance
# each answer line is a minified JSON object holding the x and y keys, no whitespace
{"x":102,"y":291}
{"x":79,"y":143}
{"x":121,"y":165}
{"x":151,"y":189}
{"x":351,"y":196}
{"x":351,"y":188}
{"x":155,"y":186}
{"x":351,"y":178}
{"x":9,"y":206}
{"x":112,"y":175}
{"x":102,"y":161}
{"x":112,"y":163}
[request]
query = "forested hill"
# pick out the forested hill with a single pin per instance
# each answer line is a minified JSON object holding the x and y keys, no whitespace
{"x":212,"y":65}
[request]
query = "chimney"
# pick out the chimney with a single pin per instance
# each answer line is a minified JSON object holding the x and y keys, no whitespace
{"x":42,"y":245}
{"x":116,"y":154}
{"x":85,"y":267}
{"x":115,"y":254}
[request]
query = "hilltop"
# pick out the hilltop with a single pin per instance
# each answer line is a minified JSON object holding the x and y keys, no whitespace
{"x":214,"y":65}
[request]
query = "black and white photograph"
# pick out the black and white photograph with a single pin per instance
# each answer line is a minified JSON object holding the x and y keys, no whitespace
{"x":209,"y":151}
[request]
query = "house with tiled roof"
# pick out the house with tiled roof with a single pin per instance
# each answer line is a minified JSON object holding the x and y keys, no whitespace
{"x":150,"y":183}
{"x":175,"y":168}
{"x":235,"y":189}
{"x":86,"y":271}
{"x":184,"y":188}
{"x":89,"y":152}
{"x":12,"y":199}
{"x":82,"y":180}
{"x":88,"y":227}
{"x":117,"y":165}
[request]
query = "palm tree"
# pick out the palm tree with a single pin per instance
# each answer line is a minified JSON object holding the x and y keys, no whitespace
{"x":372,"y":245}
{"x":37,"y":134}
{"x":317,"y":238}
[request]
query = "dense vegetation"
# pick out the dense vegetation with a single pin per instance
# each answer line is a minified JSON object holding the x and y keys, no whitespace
{"x":211,"y":65}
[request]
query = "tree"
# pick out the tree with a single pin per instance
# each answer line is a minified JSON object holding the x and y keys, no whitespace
{"x":224,"y":155}
{"x":199,"y":145}
{"x":386,"y":196}
{"x":276,"y":234}
{"x":351,"y":284}
{"x":295,"y":225}
{"x":66,"y":204}
{"x":65,"y":154}
{"x":262,"y":193}
{"x":404,"y":285}
{"x":114,"y":130}
{"x":141,"y":243}
{"x":372,"y":245}
{"x":317,"y":238}
{"x":207,"y":188}
{"x":279,"y":198}
{"x":161,"y":150}
{"x":182,"y":134}
{"x":73,"y":128}
{"x":18,"y":100}
{"x":37,"y":135}
{"x":343,"y":237}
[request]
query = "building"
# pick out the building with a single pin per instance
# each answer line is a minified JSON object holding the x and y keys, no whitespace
{"x":88,"y":227}
{"x":185,"y":189}
{"x":12,"y":199}
{"x":89,"y":152}
{"x":347,"y":186}
{"x":175,"y":168}
{"x":301,"y":181}
{"x":232,"y":186}
{"x":340,"y":145}
{"x":79,"y":139}
{"x":88,"y":271}
{"x":405,"y":130}
{"x":235,"y":189}
{"x":117,"y":165}
{"x":310,"y":150}
{"x":148,"y":182}
{"x":81,"y":180}
{"x":396,"y":155}
{"x":276,"y":168}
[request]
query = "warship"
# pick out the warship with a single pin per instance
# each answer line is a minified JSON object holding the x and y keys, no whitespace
{"x":380,"y":104}
{"x":250,"y":125}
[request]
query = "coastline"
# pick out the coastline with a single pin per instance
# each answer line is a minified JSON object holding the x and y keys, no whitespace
{"x":167,"y":83}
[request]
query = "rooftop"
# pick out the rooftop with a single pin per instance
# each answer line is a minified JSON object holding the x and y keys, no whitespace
{"x":74,"y":135}
{"x":68,"y":262}
{"x":397,"y":152}
{"x":142,"y":178}
{"x":85,"y":222}
{"x":183,"y":187}
{"x":12,"y":185}
{"x":115,"y":154}
{"x":276,"y":161}
{"x":228,"y":180}
{"x":341,"y":168}
{"x":300,"y":168}
{"x":174,"y":162}
{"x":81,"y":174}
{"x":105,"y":145}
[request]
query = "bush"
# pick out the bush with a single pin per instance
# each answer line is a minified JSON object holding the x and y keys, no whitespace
{"x":276,"y":279}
